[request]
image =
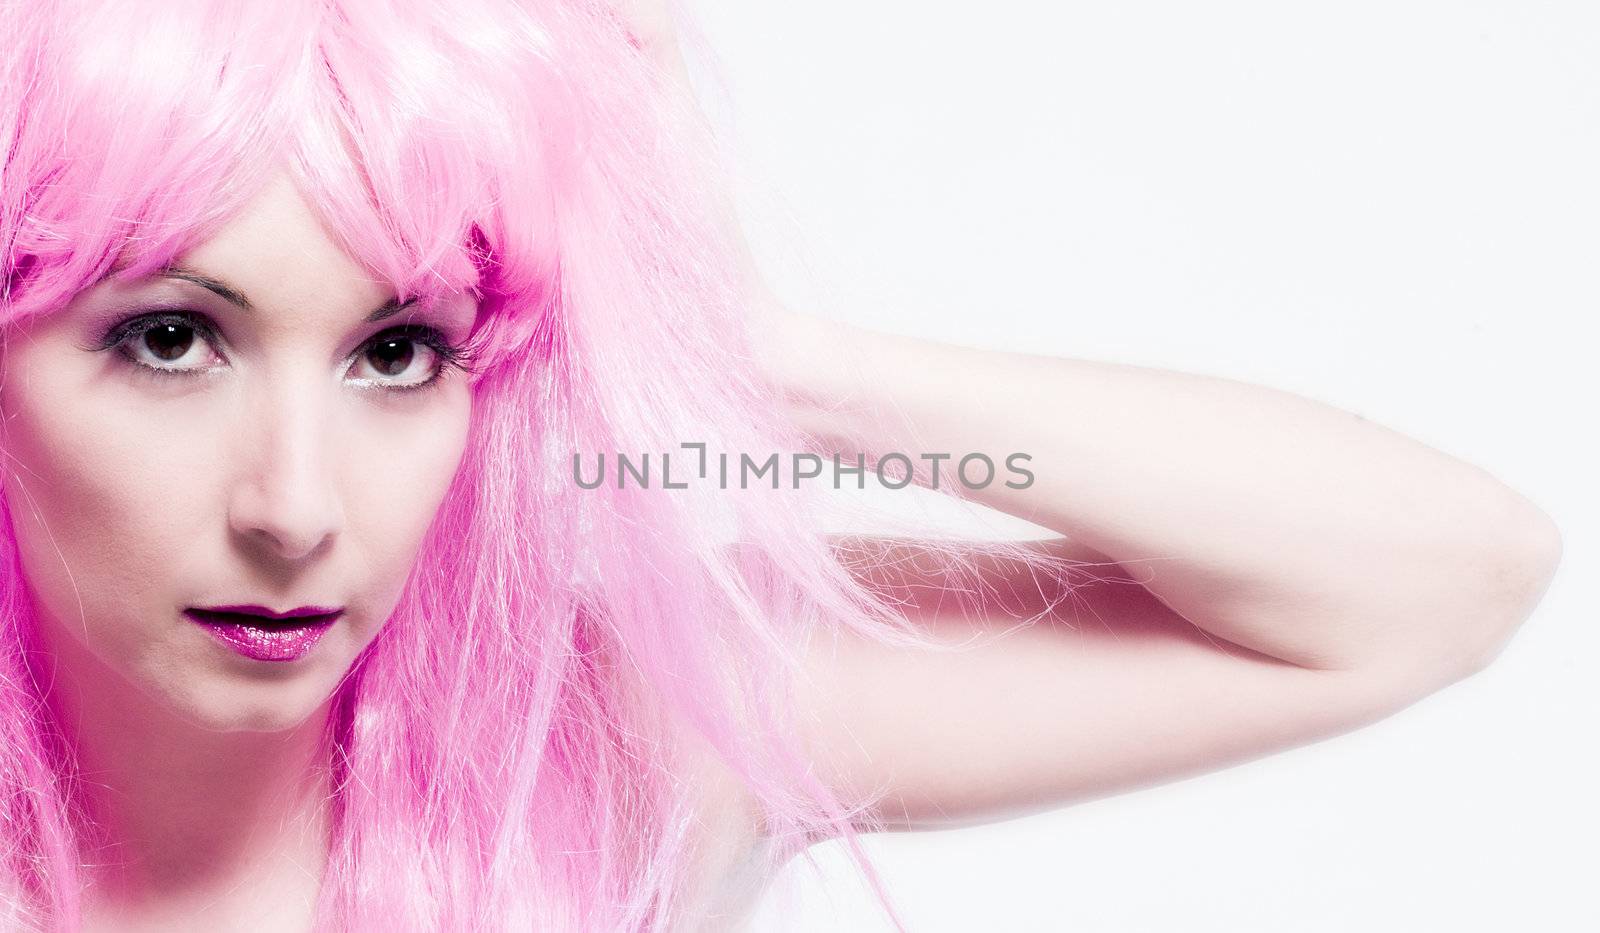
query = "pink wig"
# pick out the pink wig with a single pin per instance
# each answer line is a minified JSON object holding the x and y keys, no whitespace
{"x":532,"y":771}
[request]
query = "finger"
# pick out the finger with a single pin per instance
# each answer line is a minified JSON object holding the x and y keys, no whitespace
{"x":651,"y":28}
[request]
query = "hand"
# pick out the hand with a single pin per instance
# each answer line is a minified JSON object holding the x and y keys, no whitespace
{"x":652,"y":26}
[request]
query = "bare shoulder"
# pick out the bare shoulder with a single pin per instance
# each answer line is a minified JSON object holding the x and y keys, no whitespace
{"x":730,"y":848}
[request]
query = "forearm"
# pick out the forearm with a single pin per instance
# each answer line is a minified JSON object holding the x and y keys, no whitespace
{"x":1275,"y":522}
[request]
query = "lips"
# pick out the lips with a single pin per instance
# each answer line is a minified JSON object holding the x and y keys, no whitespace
{"x":263,"y":634}
{"x":265,"y":613}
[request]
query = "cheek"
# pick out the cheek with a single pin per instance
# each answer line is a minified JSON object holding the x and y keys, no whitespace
{"x":399,"y":472}
{"x":100,"y":497}
{"x":103,"y":510}
{"x":120,"y":499}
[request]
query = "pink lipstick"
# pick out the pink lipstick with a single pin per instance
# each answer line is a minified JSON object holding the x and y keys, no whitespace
{"x":263,"y":634}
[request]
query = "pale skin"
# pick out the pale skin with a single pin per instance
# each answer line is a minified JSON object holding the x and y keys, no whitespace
{"x":1320,"y":572}
{"x":1316,"y":570}
{"x":1302,"y":571}
{"x":275,"y":476}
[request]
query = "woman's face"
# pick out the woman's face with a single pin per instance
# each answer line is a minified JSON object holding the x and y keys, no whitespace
{"x":252,"y":439}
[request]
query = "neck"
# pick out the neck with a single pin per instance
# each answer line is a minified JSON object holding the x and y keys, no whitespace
{"x":183,"y":816}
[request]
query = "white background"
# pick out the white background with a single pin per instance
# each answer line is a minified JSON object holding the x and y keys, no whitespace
{"x":1389,"y":207}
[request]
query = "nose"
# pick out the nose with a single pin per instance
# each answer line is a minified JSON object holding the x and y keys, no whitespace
{"x":286,"y":500}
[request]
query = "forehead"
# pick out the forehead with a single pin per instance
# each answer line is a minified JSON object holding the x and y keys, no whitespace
{"x":276,"y":259}
{"x":277,"y":247}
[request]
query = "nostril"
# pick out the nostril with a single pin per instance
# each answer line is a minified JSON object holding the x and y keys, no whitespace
{"x":293,"y":543}
{"x":289,"y":530}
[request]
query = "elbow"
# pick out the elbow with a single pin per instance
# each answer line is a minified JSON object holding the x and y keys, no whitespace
{"x":1542,"y":549}
{"x":1526,"y":559}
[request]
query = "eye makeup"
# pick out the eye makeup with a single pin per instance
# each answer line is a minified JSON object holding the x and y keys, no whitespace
{"x":122,"y":336}
{"x":449,"y":355}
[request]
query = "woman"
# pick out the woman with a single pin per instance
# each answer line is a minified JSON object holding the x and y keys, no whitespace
{"x":327,"y":611}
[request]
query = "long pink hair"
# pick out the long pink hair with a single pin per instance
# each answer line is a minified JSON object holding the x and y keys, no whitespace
{"x":533,"y":770}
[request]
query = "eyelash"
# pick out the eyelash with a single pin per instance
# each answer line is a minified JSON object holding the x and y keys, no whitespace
{"x":118,"y":336}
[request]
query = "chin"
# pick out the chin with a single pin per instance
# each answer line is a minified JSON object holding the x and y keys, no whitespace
{"x":253,"y":707}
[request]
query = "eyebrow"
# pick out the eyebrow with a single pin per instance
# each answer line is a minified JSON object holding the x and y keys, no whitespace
{"x":235,"y":297}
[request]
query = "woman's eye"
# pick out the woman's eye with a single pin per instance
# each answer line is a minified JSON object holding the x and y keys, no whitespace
{"x":184,"y":344}
{"x":170,"y":344}
{"x":398,"y":361}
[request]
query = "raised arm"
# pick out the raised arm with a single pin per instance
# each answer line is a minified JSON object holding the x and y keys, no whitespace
{"x":1301,"y":571}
